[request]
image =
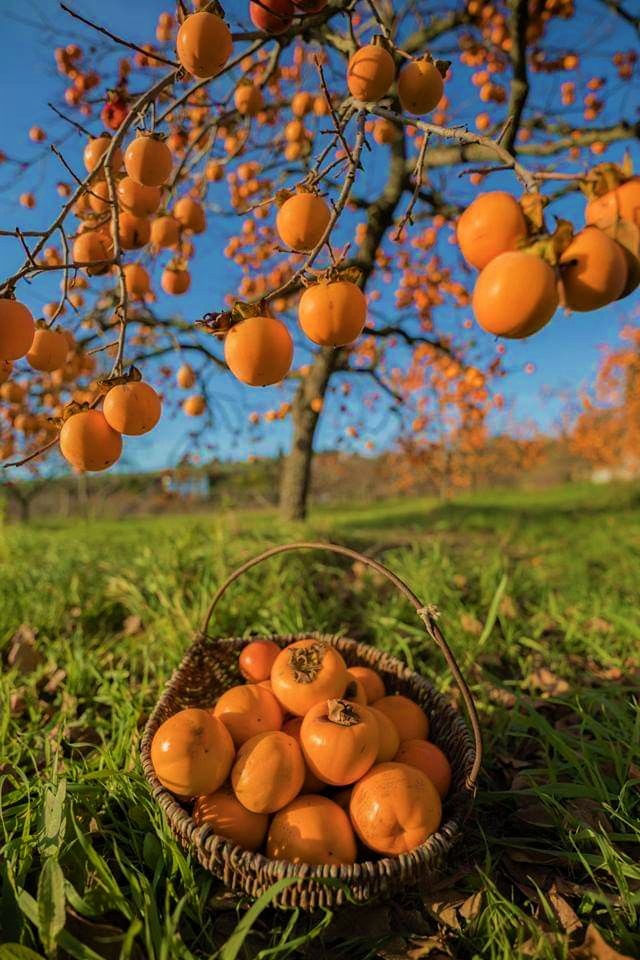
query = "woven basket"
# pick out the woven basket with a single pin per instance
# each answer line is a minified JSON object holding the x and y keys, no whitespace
{"x":211,"y":666}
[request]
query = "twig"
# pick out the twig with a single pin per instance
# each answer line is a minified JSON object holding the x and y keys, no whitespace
{"x":379,"y":19}
{"x":65,"y":277}
{"x":125,"y":43}
{"x":334,"y":116}
{"x":418,"y":174}
{"x":25,"y":247}
{"x":74,"y":123}
{"x":32,"y":456}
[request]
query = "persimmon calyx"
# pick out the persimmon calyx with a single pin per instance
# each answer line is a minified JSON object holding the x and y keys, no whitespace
{"x":306,"y":662}
{"x":343,"y":713}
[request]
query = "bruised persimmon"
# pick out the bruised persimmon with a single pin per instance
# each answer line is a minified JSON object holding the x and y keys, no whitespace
{"x":268,"y":772}
{"x":492,"y":224}
{"x":175,"y":280}
{"x":165,"y":232}
{"x":132,"y":408}
{"x":409,"y":719}
{"x":48,"y":351}
{"x":394,"y":808}
{"x":194,"y":406}
{"x":420,"y":86}
{"x":257,"y":658}
{"x":133,"y":232}
{"x":515,"y":295}
{"x":228,"y":818}
{"x":248,"y":99}
{"x":185,"y":376}
{"x":593,"y":270}
{"x":429,"y":758}
{"x":370,"y":72}
{"x":312,"y":829}
{"x":137,"y":199}
{"x":302,"y":220}
{"x":148,"y":161}
{"x":88,"y":443}
{"x":248,"y":709}
{"x":192,"y":753}
{"x":190,"y":214}
{"x":388,"y":736}
{"x":339,"y":741}
{"x":308,"y":672}
{"x":17,"y":329}
{"x":259,"y":351}
{"x":332,"y":314}
{"x":272,"y":16}
{"x":371,"y":681}
{"x":203,"y":44}
{"x":94,"y":249}
{"x":137,"y":280}
{"x":95,"y":150}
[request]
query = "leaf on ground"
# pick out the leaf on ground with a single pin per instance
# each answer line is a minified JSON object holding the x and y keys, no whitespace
{"x":132,"y":625}
{"x":595,"y":947}
{"x":23,"y":654}
{"x":104,"y":938}
{"x":17,"y":703}
{"x":590,"y":814}
{"x":536,"y":814}
{"x":567,"y":917}
{"x":599,"y":625}
{"x":444,"y":907}
{"x":472,"y":906}
{"x":54,"y":682}
{"x":548,"y":682}
{"x":508,"y":608}
{"x":501,"y":696}
{"x":433,"y":947}
{"x":470,"y":624}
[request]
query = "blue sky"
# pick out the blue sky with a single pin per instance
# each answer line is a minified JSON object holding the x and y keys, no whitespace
{"x":565,"y":354}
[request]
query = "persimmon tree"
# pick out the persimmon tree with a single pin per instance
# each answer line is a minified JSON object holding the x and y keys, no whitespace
{"x":331,"y":152}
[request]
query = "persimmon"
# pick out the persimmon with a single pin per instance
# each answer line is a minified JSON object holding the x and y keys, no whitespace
{"x":371,"y":681}
{"x":259,"y":351}
{"x":420,"y":86}
{"x":12,"y":392}
{"x":310,"y":6}
{"x":354,"y":691}
{"x":192,"y":753}
{"x":312,"y":829}
{"x":394,"y":808}
{"x":623,"y":203}
{"x":492,"y":224}
{"x":93,"y":248}
{"x":385,"y":131}
{"x":88,"y":443}
{"x":132,"y":408}
{"x":48,"y":351}
{"x":370,"y":73}
{"x":339,"y":741}
{"x":228,"y":818}
{"x":165,"y":232}
{"x":429,"y":758}
{"x":190,"y":214}
{"x":175,"y":280}
{"x":99,"y":199}
{"x":332,"y":314}
{"x":593,"y":270}
{"x":137,"y":278}
{"x":194,"y":406}
{"x":95,"y":150}
{"x":302,"y":220}
{"x":148,"y":161}
{"x":515,"y":295}
{"x":137,"y":199}
{"x":633,"y":272}
{"x":388,"y":736}
{"x":134,"y":232}
{"x":6,"y":368}
{"x":269,"y":771}
{"x":185,"y":376}
{"x":203,"y":44}
{"x":308,"y":672}
{"x":312,"y":783}
{"x":257,"y":658}
{"x":409,"y":719}
{"x":248,"y":709}
{"x":301,"y":103}
{"x":272,"y":16}
{"x":248,"y":99}
{"x":17,"y":329}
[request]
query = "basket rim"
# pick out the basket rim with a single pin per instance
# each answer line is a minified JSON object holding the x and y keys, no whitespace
{"x":242,"y":859}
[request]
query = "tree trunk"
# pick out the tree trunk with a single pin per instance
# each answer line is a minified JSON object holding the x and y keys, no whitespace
{"x":296,"y":470}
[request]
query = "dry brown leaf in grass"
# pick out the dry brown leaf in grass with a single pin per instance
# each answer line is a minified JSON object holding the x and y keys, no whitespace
{"x":508,"y":608}
{"x":23,"y":654}
{"x":459,"y":581}
{"x":599,"y":625}
{"x":132,"y":625}
{"x":504,"y":698}
{"x":17,"y":703}
{"x":444,"y":907}
{"x":531,"y":947}
{"x":548,"y":682}
{"x":589,"y":813}
{"x":433,"y":947}
{"x":595,"y":947}
{"x":470,"y":624}
{"x":567,"y":917}
{"x":54,"y":682}
{"x":472,"y":906}
{"x":395,"y":949}
{"x":535,"y":813}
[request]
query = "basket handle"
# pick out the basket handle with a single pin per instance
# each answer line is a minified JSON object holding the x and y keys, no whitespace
{"x":426,"y":613}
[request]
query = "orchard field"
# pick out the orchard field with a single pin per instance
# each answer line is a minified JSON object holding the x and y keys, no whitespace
{"x":538,"y":597}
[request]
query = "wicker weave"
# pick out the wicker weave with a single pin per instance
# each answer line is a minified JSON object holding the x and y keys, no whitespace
{"x":211,"y":666}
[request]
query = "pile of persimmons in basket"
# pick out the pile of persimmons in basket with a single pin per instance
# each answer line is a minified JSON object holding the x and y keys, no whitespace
{"x":308,"y":761}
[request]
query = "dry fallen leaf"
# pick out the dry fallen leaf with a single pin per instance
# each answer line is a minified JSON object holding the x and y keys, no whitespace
{"x":589,"y":813}
{"x":54,"y":681}
{"x":471,"y":906}
{"x":470,"y":624}
{"x":23,"y":653}
{"x":595,"y":947}
{"x":567,"y":917}
{"x":599,"y":625}
{"x":132,"y":625}
{"x":548,"y":682}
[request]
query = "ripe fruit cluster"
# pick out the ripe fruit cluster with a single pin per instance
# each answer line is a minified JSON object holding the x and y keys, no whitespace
{"x":525,"y":276}
{"x":310,"y":761}
{"x":372,"y":70}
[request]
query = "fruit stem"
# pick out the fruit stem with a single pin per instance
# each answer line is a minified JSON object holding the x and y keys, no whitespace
{"x":343,"y":713}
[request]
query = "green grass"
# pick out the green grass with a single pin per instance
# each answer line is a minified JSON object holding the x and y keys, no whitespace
{"x":538,"y":594}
